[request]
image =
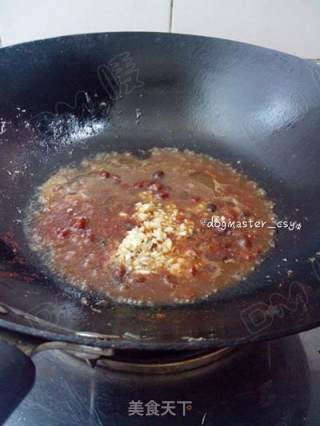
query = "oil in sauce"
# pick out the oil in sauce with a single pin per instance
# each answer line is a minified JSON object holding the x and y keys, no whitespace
{"x":137,"y":230}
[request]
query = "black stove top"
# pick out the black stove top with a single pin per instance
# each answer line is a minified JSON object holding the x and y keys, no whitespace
{"x":274,"y":384}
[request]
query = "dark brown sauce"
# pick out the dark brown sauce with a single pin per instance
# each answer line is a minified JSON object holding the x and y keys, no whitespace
{"x":136,"y":229}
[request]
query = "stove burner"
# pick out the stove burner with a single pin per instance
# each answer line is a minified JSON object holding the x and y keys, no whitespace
{"x":165,"y":363}
{"x":266,"y":383}
{"x":142,"y":362}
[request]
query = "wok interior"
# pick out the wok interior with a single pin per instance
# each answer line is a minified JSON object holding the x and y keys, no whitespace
{"x":251,"y":107}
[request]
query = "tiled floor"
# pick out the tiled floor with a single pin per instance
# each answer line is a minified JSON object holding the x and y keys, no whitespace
{"x":292,"y":26}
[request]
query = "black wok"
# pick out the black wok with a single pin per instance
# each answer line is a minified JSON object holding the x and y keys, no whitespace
{"x":65,"y":98}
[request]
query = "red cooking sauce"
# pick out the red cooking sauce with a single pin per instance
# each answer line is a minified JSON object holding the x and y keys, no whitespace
{"x":136,"y":230}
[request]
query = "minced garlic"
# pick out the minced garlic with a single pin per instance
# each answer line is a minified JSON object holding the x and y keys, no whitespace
{"x":149,"y":246}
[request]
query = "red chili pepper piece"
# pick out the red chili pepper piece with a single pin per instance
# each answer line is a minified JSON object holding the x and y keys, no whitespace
{"x":195,"y":199}
{"x":105,"y":174}
{"x":140,"y":279}
{"x":155,"y":186}
{"x":139,"y":184}
{"x":245,"y":241}
{"x":116,"y":178}
{"x":162,"y":195}
{"x":91,"y":236}
{"x":193,"y":270}
{"x":158,"y":174}
{"x":80,"y":223}
{"x":119,"y":272}
{"x":63,"y":233}
{"x":211,"y":207}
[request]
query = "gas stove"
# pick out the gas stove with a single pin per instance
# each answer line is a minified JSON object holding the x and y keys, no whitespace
{"x":274,"y":383}
{"x":271,"y":383}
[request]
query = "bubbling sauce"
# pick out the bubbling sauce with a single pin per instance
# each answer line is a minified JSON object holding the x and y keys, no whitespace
{"x":141,"y":230}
